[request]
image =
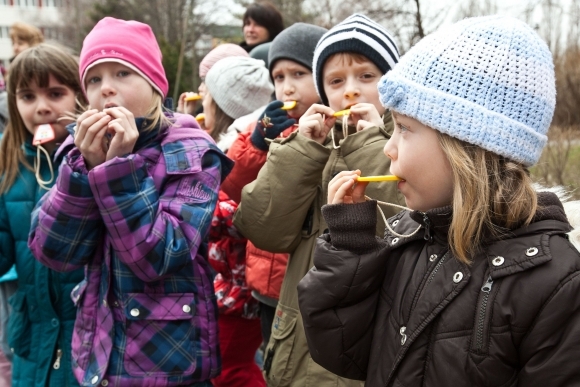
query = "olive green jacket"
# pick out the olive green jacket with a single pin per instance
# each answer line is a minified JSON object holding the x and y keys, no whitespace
{"x":280,"y":212}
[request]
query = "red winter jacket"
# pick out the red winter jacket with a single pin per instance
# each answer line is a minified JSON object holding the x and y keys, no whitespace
{"x":227,"y":255}
{"x":264,"y":270}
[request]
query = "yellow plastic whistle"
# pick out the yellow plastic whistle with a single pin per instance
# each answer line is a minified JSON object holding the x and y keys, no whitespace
{"x":200,"y":117}
{"x":192,"y":97}
{"x":379,"y":178}
{"x":289,"y":105}
{"x":341,"y":113}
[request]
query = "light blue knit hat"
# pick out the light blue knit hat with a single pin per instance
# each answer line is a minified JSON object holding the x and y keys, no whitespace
{"x":488,"y":81}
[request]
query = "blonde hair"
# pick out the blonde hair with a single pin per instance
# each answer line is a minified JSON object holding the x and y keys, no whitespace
{"x":156,"y":113}
{"x":491,"y":196}
{"x":33,"y":66}
{"x":26,"y":32}
{"x":221,"y":122}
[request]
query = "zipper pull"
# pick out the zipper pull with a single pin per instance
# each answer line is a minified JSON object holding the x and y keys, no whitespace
{"x":56,"y":364}
{"x":486,"y":288}
{"x":403,"y":335}
{"x":427,"y":236}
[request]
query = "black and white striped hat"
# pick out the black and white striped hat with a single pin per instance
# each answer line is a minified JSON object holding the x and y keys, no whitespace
{"x":358,"y":34}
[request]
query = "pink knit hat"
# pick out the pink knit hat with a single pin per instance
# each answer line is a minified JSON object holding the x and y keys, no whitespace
{"x":130,"y":43}
{"x":220,"y":52}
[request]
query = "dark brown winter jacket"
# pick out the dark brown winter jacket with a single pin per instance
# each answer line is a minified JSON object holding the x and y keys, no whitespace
{"x":405,"y":312}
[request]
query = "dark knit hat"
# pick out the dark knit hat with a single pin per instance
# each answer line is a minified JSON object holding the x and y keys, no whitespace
{"x":357,"y":34}
{"x":296,"y":43}
{"x":261,"y":52}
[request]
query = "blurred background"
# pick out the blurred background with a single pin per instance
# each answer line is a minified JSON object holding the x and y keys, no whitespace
{"x":188,"y":29}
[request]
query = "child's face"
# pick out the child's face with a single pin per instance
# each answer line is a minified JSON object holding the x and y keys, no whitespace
{"x":208,"y":111}
{"x":19,"y":45}
{"x":417,"y":158}
{"x":111,"y":84}
{"x":38,"y":106}
{"x":294,"y":82}
{"x":348,"y":82}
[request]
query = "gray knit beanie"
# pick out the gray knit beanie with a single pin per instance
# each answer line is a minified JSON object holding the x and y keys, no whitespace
{"x":261,"y":52}
{"x":296,"y":43}
{"x":239,"y":85}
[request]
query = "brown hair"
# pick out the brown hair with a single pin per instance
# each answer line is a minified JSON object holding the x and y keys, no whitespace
{"x":267,"y":15}
{"x":491,"y":195}
{"x":34,"y":66}
{"x":349,"y":57}
{"x":26,"y":32}
{"x":221,"y":122}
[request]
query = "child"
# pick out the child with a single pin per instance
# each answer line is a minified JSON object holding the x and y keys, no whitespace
{"x":43,"y":88}
{"x":291,"y":55}
{"x":133,"y":205}
{"x":24,"y":36}
{"x":280,"y":211}
{"x":220,"y":52}
{"x":476,"y":284}
{"x":235,"y":87}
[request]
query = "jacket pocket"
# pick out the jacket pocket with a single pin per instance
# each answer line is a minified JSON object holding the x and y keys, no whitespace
{"x":19,"y":325}
{"x":161,"y":334}
{"x":277,"y":364}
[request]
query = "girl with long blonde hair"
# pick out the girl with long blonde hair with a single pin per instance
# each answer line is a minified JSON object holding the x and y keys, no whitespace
{"x":475,"y":282}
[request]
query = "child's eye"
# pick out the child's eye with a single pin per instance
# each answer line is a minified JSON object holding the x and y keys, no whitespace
{"x":335,"y":81}
{"x":27,"y":97}
{"x":56,"y":94}
{"x":402,"y":128}
{"x":278,"y":78}
{"x":368,"y":76}
{"x":123,"y":73}
{"x":94,"y":80}
{"x":298,"y":74}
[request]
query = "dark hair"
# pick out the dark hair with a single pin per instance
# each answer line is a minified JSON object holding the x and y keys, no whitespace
{"x":267,"y":15}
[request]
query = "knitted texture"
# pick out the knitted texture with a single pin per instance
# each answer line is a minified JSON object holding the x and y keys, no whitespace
{"x":239,"y":85}
{"x":356,"y":34}
{"x":220,"y":52}
{"x":108,"y":42}
{"x":261,"y":52}
{"x":296,"y":43}
{"x":488,"y":81}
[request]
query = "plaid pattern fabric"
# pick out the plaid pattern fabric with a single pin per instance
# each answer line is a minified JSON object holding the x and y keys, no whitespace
{"x":139,"y":225}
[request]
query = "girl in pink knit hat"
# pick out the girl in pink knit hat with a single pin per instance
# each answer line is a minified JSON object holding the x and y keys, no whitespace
{"x":132,"y":206}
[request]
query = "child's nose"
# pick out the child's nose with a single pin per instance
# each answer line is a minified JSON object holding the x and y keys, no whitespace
{"x":390,"y":150}
{"x":42,"y":106}
{"x":351,"y":90}
{"x":107,"y":88}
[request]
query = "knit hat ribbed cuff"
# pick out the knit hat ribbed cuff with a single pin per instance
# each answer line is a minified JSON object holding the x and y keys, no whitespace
{"x":462,"y":119}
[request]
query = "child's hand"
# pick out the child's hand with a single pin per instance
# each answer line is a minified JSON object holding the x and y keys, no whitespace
{"x":187,"y":107}
{"x":316,"y":122}
{"x":123,"y":130}
{"x":90,"y":137}
{"x":343,"y":188}
{"x":271,"y":123}
{"x":365,"y":115}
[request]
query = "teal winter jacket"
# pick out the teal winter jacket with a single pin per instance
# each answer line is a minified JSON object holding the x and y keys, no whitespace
{"x":41,"y":323}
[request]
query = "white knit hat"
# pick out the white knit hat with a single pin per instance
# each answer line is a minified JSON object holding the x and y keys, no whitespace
{"x":239,"y":85}
{"x":488,"y":81}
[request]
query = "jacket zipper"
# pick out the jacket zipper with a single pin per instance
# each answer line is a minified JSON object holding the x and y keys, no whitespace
{"x":427,"y":222}
{"x":431,"y":276}
{"x":56,"y":364}
{"x":486,"y":289}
